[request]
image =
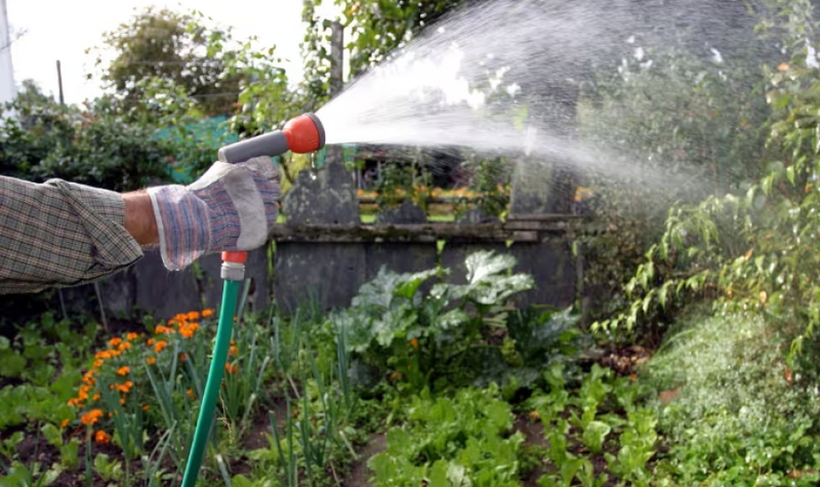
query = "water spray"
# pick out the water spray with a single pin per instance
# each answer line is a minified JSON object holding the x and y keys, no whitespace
{"x":303,"y":134}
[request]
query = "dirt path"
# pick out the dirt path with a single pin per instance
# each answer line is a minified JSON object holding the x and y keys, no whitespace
{"x":359,"y":473}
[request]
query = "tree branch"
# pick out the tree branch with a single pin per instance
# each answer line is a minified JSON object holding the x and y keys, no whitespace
{"x":14,"y":38}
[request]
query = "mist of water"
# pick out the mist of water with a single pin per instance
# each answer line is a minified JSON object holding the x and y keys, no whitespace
{"x":467,"y":81}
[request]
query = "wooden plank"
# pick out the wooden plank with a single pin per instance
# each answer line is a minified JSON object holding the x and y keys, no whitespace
{"x":547,"y":218}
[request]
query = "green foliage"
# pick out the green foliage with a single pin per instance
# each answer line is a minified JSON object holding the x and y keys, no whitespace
{"x":739,"y":418}
{"x":376,"y":30}
{"x":394,"y":184}
{"x":748,"y":249}
{"x":316,"y":430}
{"x":34,"y":475}
{"x":177,"y":48}
{"x":34,"y":399}
{"x":490,"y":179}
{"x":682,"y":126}
{"x":600,"y":420}
{"x":465,"y":440}
{"x":91,"y":146}
{"x":425,"y":336}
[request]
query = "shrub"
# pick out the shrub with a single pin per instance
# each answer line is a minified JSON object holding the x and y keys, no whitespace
{"x":94,"y":146}
{"x":739,"y":416}
{"x":433,"y":336}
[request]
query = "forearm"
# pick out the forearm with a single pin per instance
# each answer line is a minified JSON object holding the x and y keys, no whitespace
{"x":65,"y":234}
{"x":139,"y":218}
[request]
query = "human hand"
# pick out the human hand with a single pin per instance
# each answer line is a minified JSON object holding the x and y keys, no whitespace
{"x":231,"y":207}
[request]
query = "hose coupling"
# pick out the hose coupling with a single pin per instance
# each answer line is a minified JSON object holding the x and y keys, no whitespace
{"x":233,"y":265}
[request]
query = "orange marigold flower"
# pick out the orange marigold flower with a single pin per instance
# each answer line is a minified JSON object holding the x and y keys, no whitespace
{"x":145,"y":407}
{"x":115,"y":341}
{"x":102,"y":437}
{"x":206,"y":313}
{"x":98,"y":363}
{"x":231,"y":369}
{"x":74,"y":402}
{"x":64,"y":424}
{"x":131,"y":336}
{"x":125,"y":387}
{"x":193,"y":315}
{"x":188,"y":330}
{"x":124,"y":370}
{"x":190,"y":393}
{"x":414,"y":343}
{"x":160,"y":329}
{"x":535,"y":415}
{"x":124,"y":346}
{"x":151,"y":360}
{"x":122,"y":401}
{"x":102,"y":355}
{"x":232,"y":351}
{"x":96,"y":397}
{"x":180,"y":317}
{"x":160,"y":346}
{"x":91,"y":417}
{"x":150,"y":342}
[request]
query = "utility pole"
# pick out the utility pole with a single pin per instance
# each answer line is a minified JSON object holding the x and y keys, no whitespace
{"x":334,"y":154}
{"x":336,"y":58}
{"x":60,"y":82}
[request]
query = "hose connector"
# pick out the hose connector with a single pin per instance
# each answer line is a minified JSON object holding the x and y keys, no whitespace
{"x":233,"y":266}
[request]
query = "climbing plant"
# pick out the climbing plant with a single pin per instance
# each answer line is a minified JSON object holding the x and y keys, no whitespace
{"x":752,"y":249}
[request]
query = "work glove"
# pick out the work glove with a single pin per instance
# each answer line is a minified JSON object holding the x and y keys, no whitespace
{"x":231,"y":207}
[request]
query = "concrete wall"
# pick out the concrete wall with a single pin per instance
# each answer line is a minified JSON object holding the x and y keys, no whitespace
{"x":325,"y":273}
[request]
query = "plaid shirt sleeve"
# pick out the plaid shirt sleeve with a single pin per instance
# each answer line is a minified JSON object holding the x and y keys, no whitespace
{"x":60,"y":234}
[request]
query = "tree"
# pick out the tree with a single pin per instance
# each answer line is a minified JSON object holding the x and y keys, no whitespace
{"x":377,"y":29}
{"x":166,"y":45}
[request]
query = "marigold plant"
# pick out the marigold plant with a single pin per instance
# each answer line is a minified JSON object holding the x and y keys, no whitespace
{"x":118,"y":379}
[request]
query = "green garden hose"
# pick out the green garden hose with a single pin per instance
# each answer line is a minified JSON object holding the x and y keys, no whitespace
{"x":302,"y":135}
{"x":230,"y":291}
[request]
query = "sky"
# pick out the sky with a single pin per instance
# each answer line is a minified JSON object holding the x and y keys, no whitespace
{"x":62,"y":30}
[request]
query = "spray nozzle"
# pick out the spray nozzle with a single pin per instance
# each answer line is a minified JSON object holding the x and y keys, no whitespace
{"x":302,"y":134}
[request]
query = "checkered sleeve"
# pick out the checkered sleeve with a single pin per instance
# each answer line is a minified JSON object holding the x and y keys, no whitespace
{"x":60,"y":234}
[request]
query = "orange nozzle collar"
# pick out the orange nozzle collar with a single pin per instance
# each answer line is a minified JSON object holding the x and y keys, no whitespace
{"x":304,"y":134}
{"x":236,"y":257}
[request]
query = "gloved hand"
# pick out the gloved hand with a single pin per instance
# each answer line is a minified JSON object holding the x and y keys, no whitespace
{"x":231,"y":207}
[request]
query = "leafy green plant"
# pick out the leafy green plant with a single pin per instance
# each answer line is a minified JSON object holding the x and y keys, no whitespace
{"x":490,"y":181}
{"x":109,"y":470}
{"x":30,"y":476}
{"x":394,"y":184}
{"x":422,"y":336}
{"x":590,"y":423}
{"x":460,"y":441}
{"x":739,"y":416}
